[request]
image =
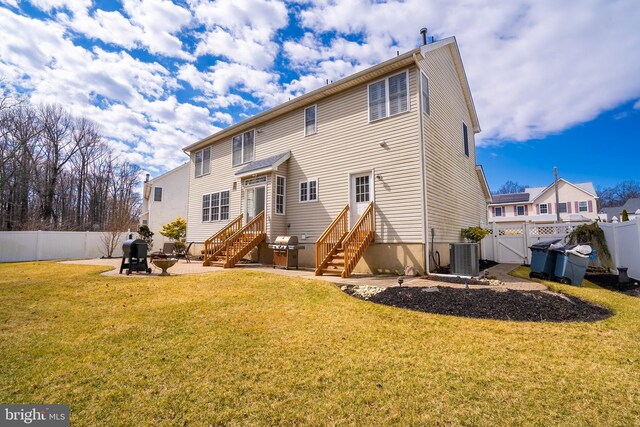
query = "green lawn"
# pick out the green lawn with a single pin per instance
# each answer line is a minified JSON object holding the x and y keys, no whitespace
{"x":245,"y":348}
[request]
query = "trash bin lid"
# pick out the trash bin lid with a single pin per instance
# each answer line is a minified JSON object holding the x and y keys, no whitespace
{"x":563,"y":249}
{"x":544,"y":245}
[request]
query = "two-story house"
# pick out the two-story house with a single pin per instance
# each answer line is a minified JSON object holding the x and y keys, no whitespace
{"x":577,"y":203}
{"x":164,"y":198}
{"x":373,"y":173}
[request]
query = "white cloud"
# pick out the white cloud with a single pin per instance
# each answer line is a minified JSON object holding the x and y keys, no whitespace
{"x":535,"y":67}
{"x":242,"y":31}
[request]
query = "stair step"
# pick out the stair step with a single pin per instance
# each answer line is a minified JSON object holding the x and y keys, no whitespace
{"x":335,"y":263}
{"x":332,"y":271}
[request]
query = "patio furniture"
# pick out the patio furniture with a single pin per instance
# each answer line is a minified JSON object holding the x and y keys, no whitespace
{"x":185,"y":254}
{"x":168,"y":248}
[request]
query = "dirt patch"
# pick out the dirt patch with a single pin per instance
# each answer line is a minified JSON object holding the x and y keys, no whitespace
{"x":610,"y":282}
{"x":454,"y":279}
{"x":529,"y":306}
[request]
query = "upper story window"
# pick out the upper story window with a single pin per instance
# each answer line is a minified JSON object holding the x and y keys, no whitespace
{"x":562,"y":207}
{"x":203,"y":161}
{"x":583,"y":206}
{"x":215,"y":206}
{"x":310,"y":118}
{"x":497,"y":211}
{"x":308,"y":191}
{"x":389,"y":96}
{"x":544,"y":208}
{"x":424,"y":87}
{"x":465,"y":139}
{"x":157,"y":194}
{"x":520,"y":210}
{"x":281,"y":189}
{"x":243,"y":148}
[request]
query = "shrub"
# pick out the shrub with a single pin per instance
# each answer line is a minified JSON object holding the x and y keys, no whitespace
{"x":474,"y":234}
{"x":592,"y":235}
{"x":176,"y":230}
{"x":625,"y":215}
{"x":147,"y":235}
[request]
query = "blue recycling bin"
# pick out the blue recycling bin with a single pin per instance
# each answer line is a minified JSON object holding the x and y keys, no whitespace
{"x":570,"y":268}
{"x":543,"y":260}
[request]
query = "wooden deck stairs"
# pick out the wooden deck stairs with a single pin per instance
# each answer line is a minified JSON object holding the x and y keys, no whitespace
{"x":236,"y":245}
{"x":338,"y":250}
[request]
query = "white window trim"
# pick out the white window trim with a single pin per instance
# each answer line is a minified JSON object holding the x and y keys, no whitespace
{"x":315,"y":120}
{"x":428,"y":113}
{"x":524,"y":211}
{"x":284,"y":196}
{"x":586,"y":206}
{"x":308,"y":192}
{"x":546,"y":206}
{"x":566,"y":207}
{"x":242,"y":152}
{"x":211,"y":206}
{"x":386,"y":97}
{"x":495,"y":211}
{"x":468,"y":153}
{"x":161,"y":194}
{"x":195,"y":163}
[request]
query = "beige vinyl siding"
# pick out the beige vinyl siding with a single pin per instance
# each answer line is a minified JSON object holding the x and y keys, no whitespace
{"x":345,"y":142}
{"x":454,"y":194}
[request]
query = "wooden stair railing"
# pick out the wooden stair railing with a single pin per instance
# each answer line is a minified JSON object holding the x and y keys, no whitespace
{"x":247,"y":238}
{"x":358,"y":239}
{"x":215,"y":244}
{"x":328,"y":243}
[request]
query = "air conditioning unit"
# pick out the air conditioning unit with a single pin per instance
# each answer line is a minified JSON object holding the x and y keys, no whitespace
{"x":465,"y":259}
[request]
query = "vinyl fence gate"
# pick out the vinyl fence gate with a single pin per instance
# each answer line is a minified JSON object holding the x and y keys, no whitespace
{"x":510,"y":243}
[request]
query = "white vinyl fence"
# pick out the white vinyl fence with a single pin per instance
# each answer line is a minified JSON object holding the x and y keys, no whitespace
{"x":623,"y":240}
{"x":510,"y":243}
{"x":43,"y":245}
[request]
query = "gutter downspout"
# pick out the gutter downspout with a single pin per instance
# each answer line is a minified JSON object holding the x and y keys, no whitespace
{"x":423,"y":171}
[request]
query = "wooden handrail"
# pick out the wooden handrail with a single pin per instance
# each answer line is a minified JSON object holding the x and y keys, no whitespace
{"x":216,"y":242}
{"x":358,"y":239}
{"x":235,"y":244}
{"x":331,"y":238}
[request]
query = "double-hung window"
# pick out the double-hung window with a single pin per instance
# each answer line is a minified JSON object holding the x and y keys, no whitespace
{"x":497,"y":211}
{"x":583,"y":207}
{"x":308,"y":191}
{"x":215,"y":206}
{"x":243,"y":148}
{"x":157,"y":194}
{"x":520,"y":210}
{"x":281,"y":189}
{"x":562,"y":207}
{"x":389,"y":97}
{"x":544,"y":208}
{"x":310,"y":119}
{"x":424,"y":87}
{"x":203,"y":161}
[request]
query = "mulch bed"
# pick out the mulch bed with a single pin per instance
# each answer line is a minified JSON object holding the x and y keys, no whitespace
{"x":610,"y":282}
{"x":454,"y":279}
{"x":531,"y":306}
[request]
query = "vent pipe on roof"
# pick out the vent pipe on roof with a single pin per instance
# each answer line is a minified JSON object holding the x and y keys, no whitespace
{"x":423,"y":32}
{"x":147,"y":178}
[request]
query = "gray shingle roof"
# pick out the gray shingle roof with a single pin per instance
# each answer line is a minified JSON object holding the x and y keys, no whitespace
{"x":510,"y":198}
{"x":263,"y":163}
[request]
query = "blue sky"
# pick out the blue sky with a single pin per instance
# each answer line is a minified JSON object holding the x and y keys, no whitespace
{"x":554,"y":83}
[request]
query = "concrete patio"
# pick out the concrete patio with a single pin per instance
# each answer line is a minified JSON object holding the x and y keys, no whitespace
{"x":183,"y":268}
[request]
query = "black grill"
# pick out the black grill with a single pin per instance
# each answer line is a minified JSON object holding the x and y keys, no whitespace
{"x":134,"y":256}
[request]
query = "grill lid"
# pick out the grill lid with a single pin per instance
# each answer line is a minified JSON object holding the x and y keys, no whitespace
{"x":286,"y":241}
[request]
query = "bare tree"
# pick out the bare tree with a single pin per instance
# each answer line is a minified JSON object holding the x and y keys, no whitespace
{"x":510,"y":187}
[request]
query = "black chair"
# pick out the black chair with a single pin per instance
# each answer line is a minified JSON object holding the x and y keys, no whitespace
{"x":185,"y":254}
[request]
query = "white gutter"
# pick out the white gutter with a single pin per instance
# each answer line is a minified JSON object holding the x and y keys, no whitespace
{"x":423,"y":171}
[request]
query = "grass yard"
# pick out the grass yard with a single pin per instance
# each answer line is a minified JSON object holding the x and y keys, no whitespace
{"x":246,"y":348}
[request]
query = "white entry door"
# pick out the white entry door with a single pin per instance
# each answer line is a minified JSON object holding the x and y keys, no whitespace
{"x":361,"y":194}
{"x":254,"y":201}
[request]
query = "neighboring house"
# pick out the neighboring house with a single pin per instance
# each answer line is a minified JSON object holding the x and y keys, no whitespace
{"x":632,"y":207}
{"x":538,"y":204}
{"x":164,"y":199}
{"x":390,"y":148}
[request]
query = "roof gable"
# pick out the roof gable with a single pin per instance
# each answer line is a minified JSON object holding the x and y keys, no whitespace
{"x":584,"y":187}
